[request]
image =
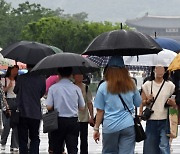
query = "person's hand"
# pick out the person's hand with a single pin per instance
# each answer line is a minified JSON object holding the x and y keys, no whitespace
{"x":8,"y":112}
{"x":171,"y":102}
{"x":96,"y":136}
{"x":150,"y":98}
{"x":91,"y":122}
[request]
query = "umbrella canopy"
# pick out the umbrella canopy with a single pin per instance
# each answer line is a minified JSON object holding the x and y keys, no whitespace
{"x":122,"y":42}
{"x":56,"y":49}
{"x":49,"y":64}
{"x":100,"y":61}
{"x":163,"y":58}
{"x":9,"y":62}
{"x":175,"y":64}
{"x":27,"y":52}
{"x":168,"y":43}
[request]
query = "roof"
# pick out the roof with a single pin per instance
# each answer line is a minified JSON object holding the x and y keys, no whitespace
{"x":155,"y":21}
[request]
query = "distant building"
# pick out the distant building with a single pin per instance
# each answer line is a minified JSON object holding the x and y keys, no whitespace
{"x":164,"y":26}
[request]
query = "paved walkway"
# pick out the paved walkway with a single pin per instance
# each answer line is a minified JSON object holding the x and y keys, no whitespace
{"x":96,"y":148}
{"x":93,"y":147}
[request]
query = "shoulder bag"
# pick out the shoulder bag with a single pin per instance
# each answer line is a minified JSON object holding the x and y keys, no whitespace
{"x":50,"y":121}
{"x":140,"y":134}
{"x":146,"y":114}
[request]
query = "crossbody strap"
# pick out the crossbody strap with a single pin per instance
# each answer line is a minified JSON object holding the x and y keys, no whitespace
{"x":124,"y":104}
{"x":157,"y":94}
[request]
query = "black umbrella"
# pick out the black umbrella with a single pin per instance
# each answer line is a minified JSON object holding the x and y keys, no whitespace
{"x":28,"y":52}
{"x":122,"y":42}
{"x":49,"y":65}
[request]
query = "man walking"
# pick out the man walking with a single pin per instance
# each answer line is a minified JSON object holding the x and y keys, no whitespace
{"x":29,"y":89}
{"x":67,"y":99}
{"x":86,"y":116}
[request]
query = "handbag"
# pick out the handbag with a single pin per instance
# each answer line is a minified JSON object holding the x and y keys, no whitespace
{"x":140,"y":134}
{"x":172,"y":122}
{"x":50,"y":121}
{"x":146,"y":114}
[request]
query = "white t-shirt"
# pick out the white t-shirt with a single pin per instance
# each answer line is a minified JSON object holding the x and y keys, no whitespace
{"x":160,"y":112}
{"x":10,"y":92}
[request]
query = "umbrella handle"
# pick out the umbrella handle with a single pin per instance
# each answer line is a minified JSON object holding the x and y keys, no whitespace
{"x":121,"y":26}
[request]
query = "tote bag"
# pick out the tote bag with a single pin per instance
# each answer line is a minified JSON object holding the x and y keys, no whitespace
{"x":173,"y":122}
{"x":50,"y":121}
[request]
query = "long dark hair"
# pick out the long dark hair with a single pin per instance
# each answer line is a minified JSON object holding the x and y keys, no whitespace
{"x":165,"y":76}
{"x":8,"y":72}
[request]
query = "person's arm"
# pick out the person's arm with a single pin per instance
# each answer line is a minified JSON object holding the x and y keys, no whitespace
{"x":81,"y":103}
{"x":90,"y":107}
{"x":91,"y":112}
{"x":4,"y":103}
{"x":99,"y":118}
{"x":6,"y":85}
{"x":137,"y":98}
{"x":99,"y":103}
{"x":49,"y":108}
{"x":146,"y":100}
{"x":141,"y":109}
{"x":172,"y":102}
{"x":49,"y":101}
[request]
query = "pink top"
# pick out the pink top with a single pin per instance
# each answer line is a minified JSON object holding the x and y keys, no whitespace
{"x":50,"y":81}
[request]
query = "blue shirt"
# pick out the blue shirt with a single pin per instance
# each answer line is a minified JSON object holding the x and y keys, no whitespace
{"x":29,"y":89}
{"x":115,"y":116}
{"x":66,"y":98}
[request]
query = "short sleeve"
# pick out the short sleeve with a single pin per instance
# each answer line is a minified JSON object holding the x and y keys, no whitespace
{"x":50,"y":101}
{"x":137,"y":98}
{"x":172,"y":88}
{"x":81,"y":102}
{"x":145,"y":87}
{"x":89,"y":96}
{"x":99,"y":100}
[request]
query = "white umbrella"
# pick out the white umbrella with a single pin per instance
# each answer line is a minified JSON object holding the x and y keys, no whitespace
{"x":5,"y":61}
{"x":163,"y":58}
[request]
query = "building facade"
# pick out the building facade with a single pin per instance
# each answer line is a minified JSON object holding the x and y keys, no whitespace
{"x":163,"y":26}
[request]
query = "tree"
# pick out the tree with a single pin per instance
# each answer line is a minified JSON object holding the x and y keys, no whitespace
{"x":5,"y":9}
{"x":78,"y":17}
{"x":13,"y":20}
{"x":68,"y":35}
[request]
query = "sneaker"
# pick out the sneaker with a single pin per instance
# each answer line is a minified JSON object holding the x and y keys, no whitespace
{"x":3,"y":147}
{"x":14,"y":149}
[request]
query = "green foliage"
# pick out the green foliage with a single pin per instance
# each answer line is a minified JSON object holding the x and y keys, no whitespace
{"x":13,"y":20}
{"x":71,"y":33}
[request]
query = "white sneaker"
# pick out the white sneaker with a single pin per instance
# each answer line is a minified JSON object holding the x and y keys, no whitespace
{"x":14,"y":149}
{"x":3,"y":147}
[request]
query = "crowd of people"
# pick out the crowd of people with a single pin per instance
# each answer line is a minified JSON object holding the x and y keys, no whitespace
{"x":73,"y":101}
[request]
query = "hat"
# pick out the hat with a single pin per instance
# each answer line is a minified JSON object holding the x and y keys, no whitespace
{"x":116,"y":61}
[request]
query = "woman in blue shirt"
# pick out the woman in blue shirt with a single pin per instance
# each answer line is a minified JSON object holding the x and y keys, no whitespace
{"x":118,"y":125}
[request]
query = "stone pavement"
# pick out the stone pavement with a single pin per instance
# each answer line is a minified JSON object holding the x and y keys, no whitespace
{"x":96,"y":148}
